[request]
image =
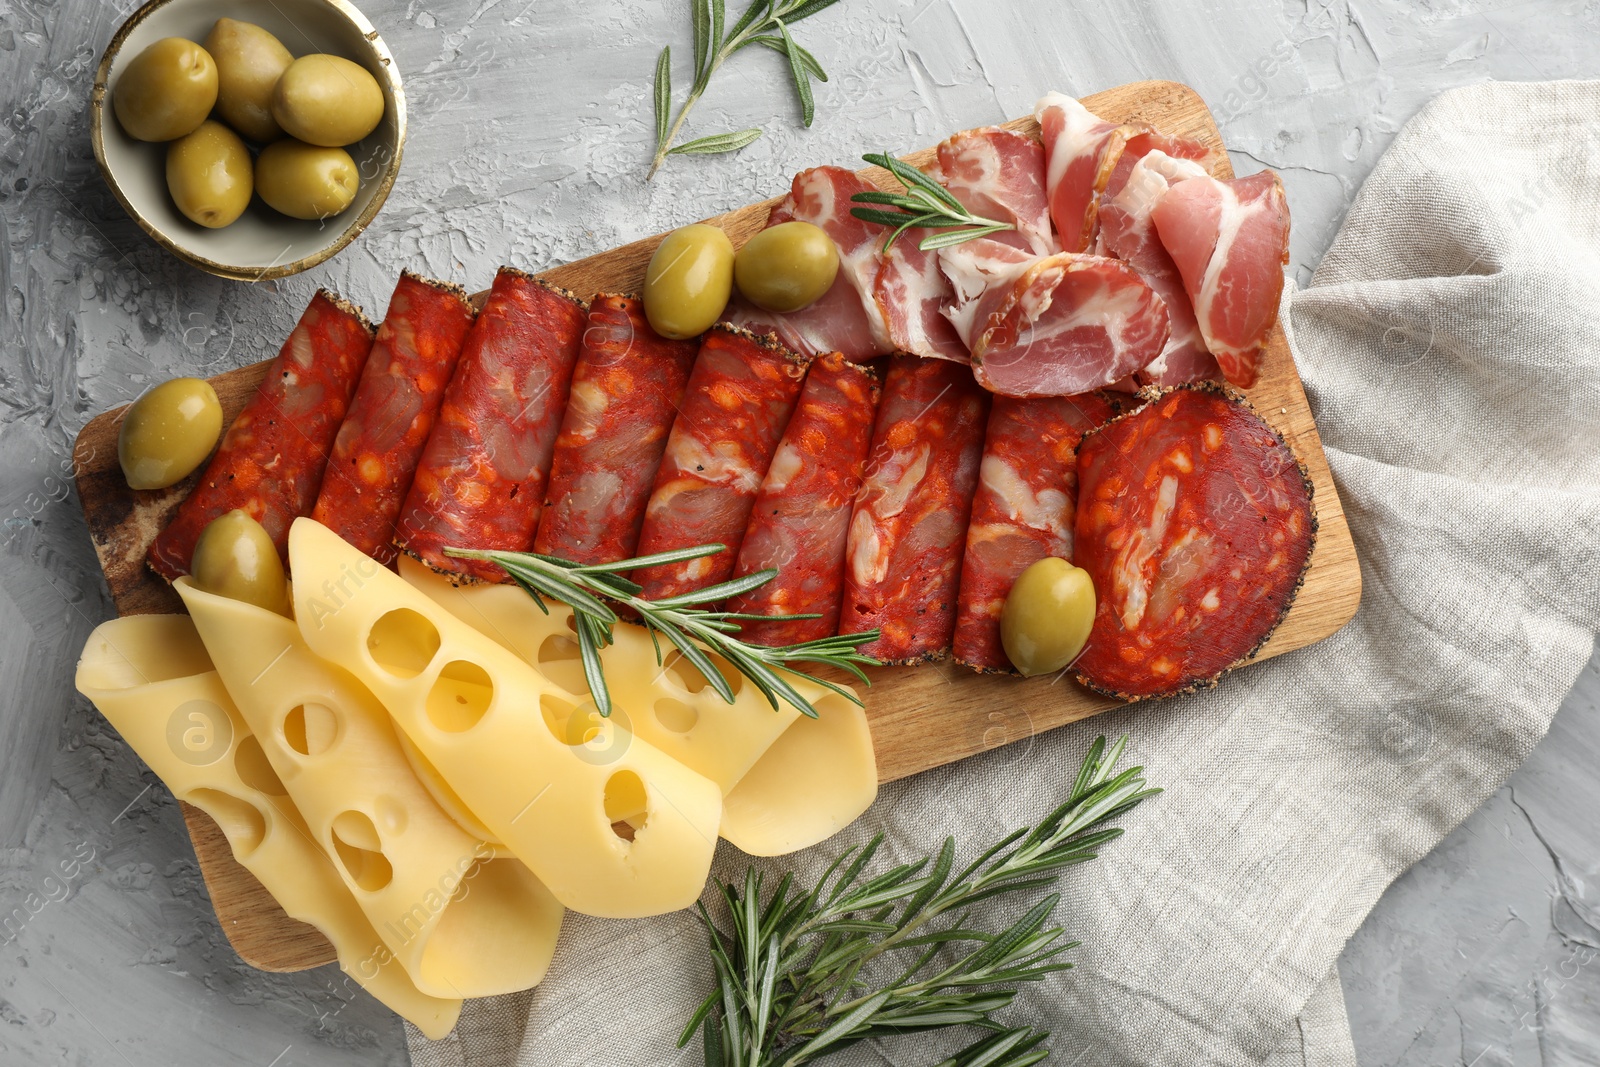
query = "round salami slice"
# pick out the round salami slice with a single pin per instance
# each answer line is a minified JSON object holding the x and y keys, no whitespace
{"x":1196,"y":523}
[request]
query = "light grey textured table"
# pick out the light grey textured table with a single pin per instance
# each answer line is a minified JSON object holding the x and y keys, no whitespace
{"x":528,"y":146}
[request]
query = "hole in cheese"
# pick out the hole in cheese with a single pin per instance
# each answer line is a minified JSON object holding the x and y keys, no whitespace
{"x":255,"y":771}
{"x":460,"y":696}
{"x":241,"y":821}
{"x":355,"y":840}
{"x":675,"y":715}
{"x":310,"y":729}
{"x":687,"y":676}
{"x":626,"y":802}
{"x":403,"y":643}
{"x":562,"y":663}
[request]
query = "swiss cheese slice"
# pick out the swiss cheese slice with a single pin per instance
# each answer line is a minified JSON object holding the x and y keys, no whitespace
{"x":789,"y":781}
{"x":151,"y":678}
{"x":544,"y":773}
{"x":462,"y":922}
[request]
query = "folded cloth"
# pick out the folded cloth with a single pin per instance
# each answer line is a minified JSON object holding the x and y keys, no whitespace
{"x":1450,"y":343}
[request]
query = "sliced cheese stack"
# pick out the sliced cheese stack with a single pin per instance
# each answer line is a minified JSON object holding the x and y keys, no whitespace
{"x":462,"y":922}
{"x":151,"y":678}
{"x":788,"y":781}
{"x":543,"y":774}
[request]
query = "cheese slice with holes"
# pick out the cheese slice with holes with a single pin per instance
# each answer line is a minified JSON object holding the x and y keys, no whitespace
{"x":462,"y":921}
{"x":544,"y":773}
{"x":789,"y":782}
{"x":151,"y":678}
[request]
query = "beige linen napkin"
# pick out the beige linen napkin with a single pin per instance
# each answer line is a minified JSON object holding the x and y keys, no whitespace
{"x":1451,"y":345}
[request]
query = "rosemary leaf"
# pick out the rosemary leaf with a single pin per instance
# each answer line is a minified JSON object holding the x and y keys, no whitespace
{"x":663,"y":95}
{"x":925,"y":204}
{"x":716,"y":143}
{"x":702,"y":34}
{"x":777,"y":44}
{"x":802,"y":80}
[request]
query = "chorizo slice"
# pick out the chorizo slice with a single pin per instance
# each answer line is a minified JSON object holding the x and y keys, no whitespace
{"x":1022,"y":511}
{"x":802,"y":513}
{"x":1196,"y":523}
{"x":481,"y":480}
{"x":740,"y":395}
{"x":394,"y":409}
{"x":271,"y":460}
{"x":626,"y":389}
{"x":909,"y":523}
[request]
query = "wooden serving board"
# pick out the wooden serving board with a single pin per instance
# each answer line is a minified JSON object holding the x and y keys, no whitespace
{"x":921,"y":717}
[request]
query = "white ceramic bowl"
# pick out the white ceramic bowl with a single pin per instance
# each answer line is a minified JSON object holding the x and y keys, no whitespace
{"x":262,"y":243}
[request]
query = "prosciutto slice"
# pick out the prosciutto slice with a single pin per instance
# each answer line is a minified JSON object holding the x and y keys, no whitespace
{"x":1127,"y":233}
{"x":1230,"y":242}
{"x":1081,"y":153}
{"x":847,"y":319}
{"x":1051,"y":325}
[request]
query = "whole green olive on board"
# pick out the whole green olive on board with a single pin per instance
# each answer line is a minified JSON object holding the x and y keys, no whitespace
{"x":210,"y":175}
{"x":786,"y":267}
{"x":249,"y":63}
{"x":327,"y":100}
{"x":689,"y":280}
{"x":166,"y":91}
{"x":1047,"y":616}
{"x":235,"y":558}
{"x":306,"y":181}
{"x":168,"y":432}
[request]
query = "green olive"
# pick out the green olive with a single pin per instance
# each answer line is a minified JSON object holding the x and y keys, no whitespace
{"x":166,"y":91}
{"x":786,"y":267}
{"x":209,"y":175}
{"x":690,"y":278}
{"x":306,"y":181}
{"x":327,"y":100}
{"x":235,"y":558}
{"x":1047,"y":616}
{"x":249,"y":63}
{"x":168,"y":432}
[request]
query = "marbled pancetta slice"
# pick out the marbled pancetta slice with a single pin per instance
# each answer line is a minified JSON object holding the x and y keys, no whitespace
{"x":271,"y":460}
{"x":1195,"y":522}
{"x":802,"y":513}
{"x":739,"y":398}
{"x":481,"y":480}
{"x":1081,"y":153}
{"x":626,"y":388}
{"x":1051,"y":325}
{"x":392,"y":413}
{"x":1000,"y":175}
{"x":1230,"y":241}
{"x":847,"y":319}
{"x":908,"y":529}
{"x":1127,"y":233}
{"x":1022,"y":511}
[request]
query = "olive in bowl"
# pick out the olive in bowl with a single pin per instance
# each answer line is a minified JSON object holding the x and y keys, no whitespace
{"x":306,"y":181}
{"x":167,"y":91}
{"x":249,"y":63}
{"x":210,"y":175}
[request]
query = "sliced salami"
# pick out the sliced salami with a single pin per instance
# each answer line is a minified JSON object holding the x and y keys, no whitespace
{"x":1196,"y":523}
{"x":392,"y":413}
{"x":802,"y":513}
{"x":739,"y":398}
{"x":909,"y":524}
{"x":481,"y":479}
{"x":626,"y":389}
{"x":1022,"y":511}
{"x":271,"y":460}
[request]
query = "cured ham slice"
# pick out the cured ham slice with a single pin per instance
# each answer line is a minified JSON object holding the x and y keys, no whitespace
{"x":1000,"y":175}
{"x":1127,"y":233}
{"x":1022,"y":511}
{"x":1051,"y":325}
{"x":1144,"y":140}
{"x":802,"y":513}
{"x":1230,"y":242}
{"x":903,"y":552}
{"x":913,"y":292}
{"x":847,"y":319}
{"x":1081,"y":152}
{"x":1196,"y":523}
{"x":740,"y":395}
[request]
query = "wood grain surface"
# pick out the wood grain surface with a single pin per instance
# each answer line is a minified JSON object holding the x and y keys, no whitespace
{"x":922,"y":717}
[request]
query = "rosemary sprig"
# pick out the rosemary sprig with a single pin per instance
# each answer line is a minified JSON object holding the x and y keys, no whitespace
{"x":924,"y":205}
{"x":792,"y":969}
{"x":766,"y":23}
{"x":586,"y":588}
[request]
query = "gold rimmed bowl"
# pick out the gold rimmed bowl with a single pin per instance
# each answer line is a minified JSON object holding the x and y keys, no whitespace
{"x":262,"y":243}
